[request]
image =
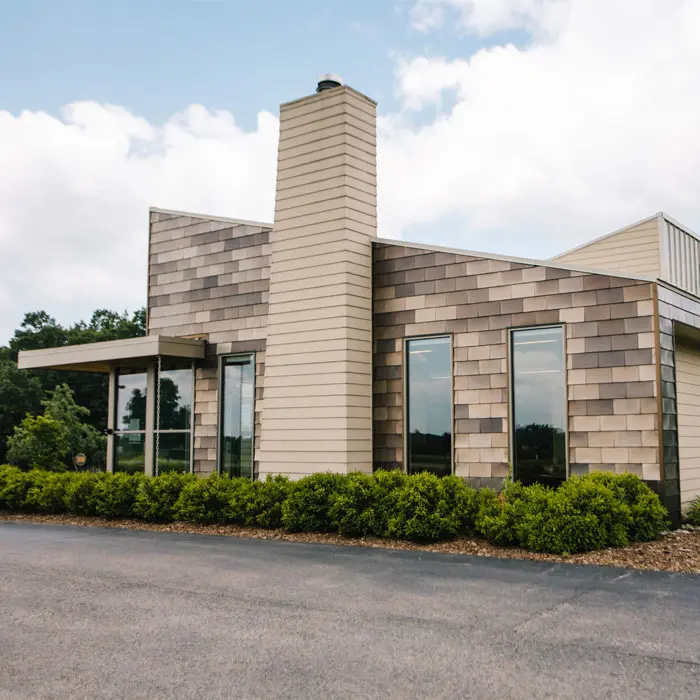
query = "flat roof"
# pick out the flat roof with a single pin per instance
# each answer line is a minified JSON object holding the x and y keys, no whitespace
{"x":101,"y":357}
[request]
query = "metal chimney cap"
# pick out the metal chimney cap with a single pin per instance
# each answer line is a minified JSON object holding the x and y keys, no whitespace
{"x":328,"y":81}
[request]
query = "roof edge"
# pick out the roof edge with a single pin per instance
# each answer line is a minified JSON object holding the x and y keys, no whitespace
{"x":510,"y":258}
{"x":657,"y":216}
{"x":209,"y":217}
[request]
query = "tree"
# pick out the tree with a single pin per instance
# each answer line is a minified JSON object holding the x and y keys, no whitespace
{"x":39,"y":442}
{"x":51,"y":441}
{"x":40,"y":330}
{"x":81,"y":437}
{"x":20,"y":393}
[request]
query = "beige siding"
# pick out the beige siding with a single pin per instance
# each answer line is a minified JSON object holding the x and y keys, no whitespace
{"x":317,"y":413}
{"x":688,"y":390}
{"x":210,"y":278}
{"x":634,"y":250}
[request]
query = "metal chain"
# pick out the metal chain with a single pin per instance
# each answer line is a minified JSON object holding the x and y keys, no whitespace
{"x":158,"y":415}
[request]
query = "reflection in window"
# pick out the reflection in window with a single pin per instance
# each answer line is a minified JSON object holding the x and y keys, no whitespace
{"x":429,"y":405}
{"x":129,"y":452}
{"x":131,"y":400}
{"x":174,"y":452}
{"x":175,"y":398}
{"x":539,"y":405}
{"x":237,"y":416}
{"x":176,"y":386}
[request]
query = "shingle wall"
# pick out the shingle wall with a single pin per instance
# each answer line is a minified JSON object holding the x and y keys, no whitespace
{"x":210,"y":278}
{"x":611,"y":356}
{"x":674,"y":308}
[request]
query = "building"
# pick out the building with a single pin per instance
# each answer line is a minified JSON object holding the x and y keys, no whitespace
{"x":311,"y":344}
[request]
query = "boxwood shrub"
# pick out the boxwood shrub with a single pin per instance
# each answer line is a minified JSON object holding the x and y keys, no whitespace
{"x":585,"y":513}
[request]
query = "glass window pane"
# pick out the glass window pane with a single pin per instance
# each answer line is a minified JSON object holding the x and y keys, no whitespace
{"x":237,"y":417}
{"x":131,"y":400}
{"x":129,"y":452}
{"x":429,"y":405}
{"x":176,"y":386}
{"x":539,"y":406}
{"x":174,"y":453}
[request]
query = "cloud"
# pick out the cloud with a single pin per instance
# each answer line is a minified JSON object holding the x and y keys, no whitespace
{"x":589,"y":126}
{"x":528,"y":149}
{"x":75,"y":192}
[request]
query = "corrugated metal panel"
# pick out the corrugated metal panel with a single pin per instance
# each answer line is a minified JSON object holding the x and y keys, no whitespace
{"x":681,"y":258}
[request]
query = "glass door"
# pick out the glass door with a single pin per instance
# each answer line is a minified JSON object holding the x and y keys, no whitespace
{"x":237,"y":417}
{"x":130,"y":421}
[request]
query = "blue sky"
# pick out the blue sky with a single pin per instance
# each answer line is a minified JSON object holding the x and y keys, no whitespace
{"x":158,"y":56}
{"x":517,"y":127}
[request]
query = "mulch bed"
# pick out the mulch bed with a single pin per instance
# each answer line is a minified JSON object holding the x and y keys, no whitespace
{"x":677,"y":551}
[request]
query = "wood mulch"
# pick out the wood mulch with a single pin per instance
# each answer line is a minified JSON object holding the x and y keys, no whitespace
{"x":677,"y":551}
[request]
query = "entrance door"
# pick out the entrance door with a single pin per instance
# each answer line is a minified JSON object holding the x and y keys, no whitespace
{"x":237,"y":418}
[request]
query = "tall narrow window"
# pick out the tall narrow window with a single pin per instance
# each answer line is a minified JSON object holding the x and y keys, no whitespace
{"x":237,"y":416}
{"x":130,"y":418}
{"x":174,"y":409}
{"x":429,"y":405}
{"x":539,"y":405}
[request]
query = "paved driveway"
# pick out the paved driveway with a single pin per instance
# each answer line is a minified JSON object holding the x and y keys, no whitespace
{"x":90,"y":613}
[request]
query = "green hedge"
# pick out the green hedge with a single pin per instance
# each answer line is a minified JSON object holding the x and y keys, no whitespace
{"x":692,"y":515}
{"x":585,"y":513}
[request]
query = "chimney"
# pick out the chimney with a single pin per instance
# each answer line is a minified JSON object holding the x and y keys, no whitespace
{"x":317,"y":402}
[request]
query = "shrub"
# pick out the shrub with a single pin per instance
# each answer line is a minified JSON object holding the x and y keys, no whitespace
{"x":46,"y":492}
{"x":595,"y":497}
{"x":115,"y":496}
{"x":352,"y":510}
{"x":426,"y":508}
{"x":692,"y":515}
{"x":81,"y":492}
{"x":307,"y":507}
{"x":649,"y":518}
{"x":156,"y":498}
{"x":14,"y":485}
{"x":266,"y":503}
{"x":215,"y":500}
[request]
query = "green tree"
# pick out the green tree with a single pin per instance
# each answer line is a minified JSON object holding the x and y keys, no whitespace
{"x":81,"y":436}
{"x":39,"y":442}
{"x":40,"y":330}
{"x":20,"y":393}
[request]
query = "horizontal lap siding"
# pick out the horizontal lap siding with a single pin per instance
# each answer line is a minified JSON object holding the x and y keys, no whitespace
{"x":688,"y":392}
{"x":210,"y":278}
{"x":318,"y":413}
{"x":611,"y":356}
{"x":634,"y":250}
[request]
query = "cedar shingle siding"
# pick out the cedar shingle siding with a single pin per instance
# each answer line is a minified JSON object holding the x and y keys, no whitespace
{"x":210,"y":278}
{"x":610,"y":347}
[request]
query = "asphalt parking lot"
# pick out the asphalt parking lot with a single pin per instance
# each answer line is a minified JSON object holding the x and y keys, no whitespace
{"x":92,"y":613}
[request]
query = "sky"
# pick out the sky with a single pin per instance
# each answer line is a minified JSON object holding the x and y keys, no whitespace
{"x":520,"y":127}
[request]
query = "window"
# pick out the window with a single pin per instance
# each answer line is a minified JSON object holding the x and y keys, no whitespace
{"x":174,"y":417}
{"x":429,"y":405}
{"x":539,"y":405}
{"x":130,"y":431}
{"x":237,"y":415}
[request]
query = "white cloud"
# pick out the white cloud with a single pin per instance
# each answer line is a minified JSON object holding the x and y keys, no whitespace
{"x":75,"y":192}
{"x":587,"y":129}
{"x":528,"y":150}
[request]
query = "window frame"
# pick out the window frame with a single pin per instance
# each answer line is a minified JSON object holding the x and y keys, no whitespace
{"x":117,"y":432}
{"x":511,"y":394}
{"x":221,"y":361}
{"x":156,"y":429}
{"x":406,"y":402}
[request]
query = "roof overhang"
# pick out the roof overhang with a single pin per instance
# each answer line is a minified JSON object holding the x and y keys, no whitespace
{"x":101,"y":357}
